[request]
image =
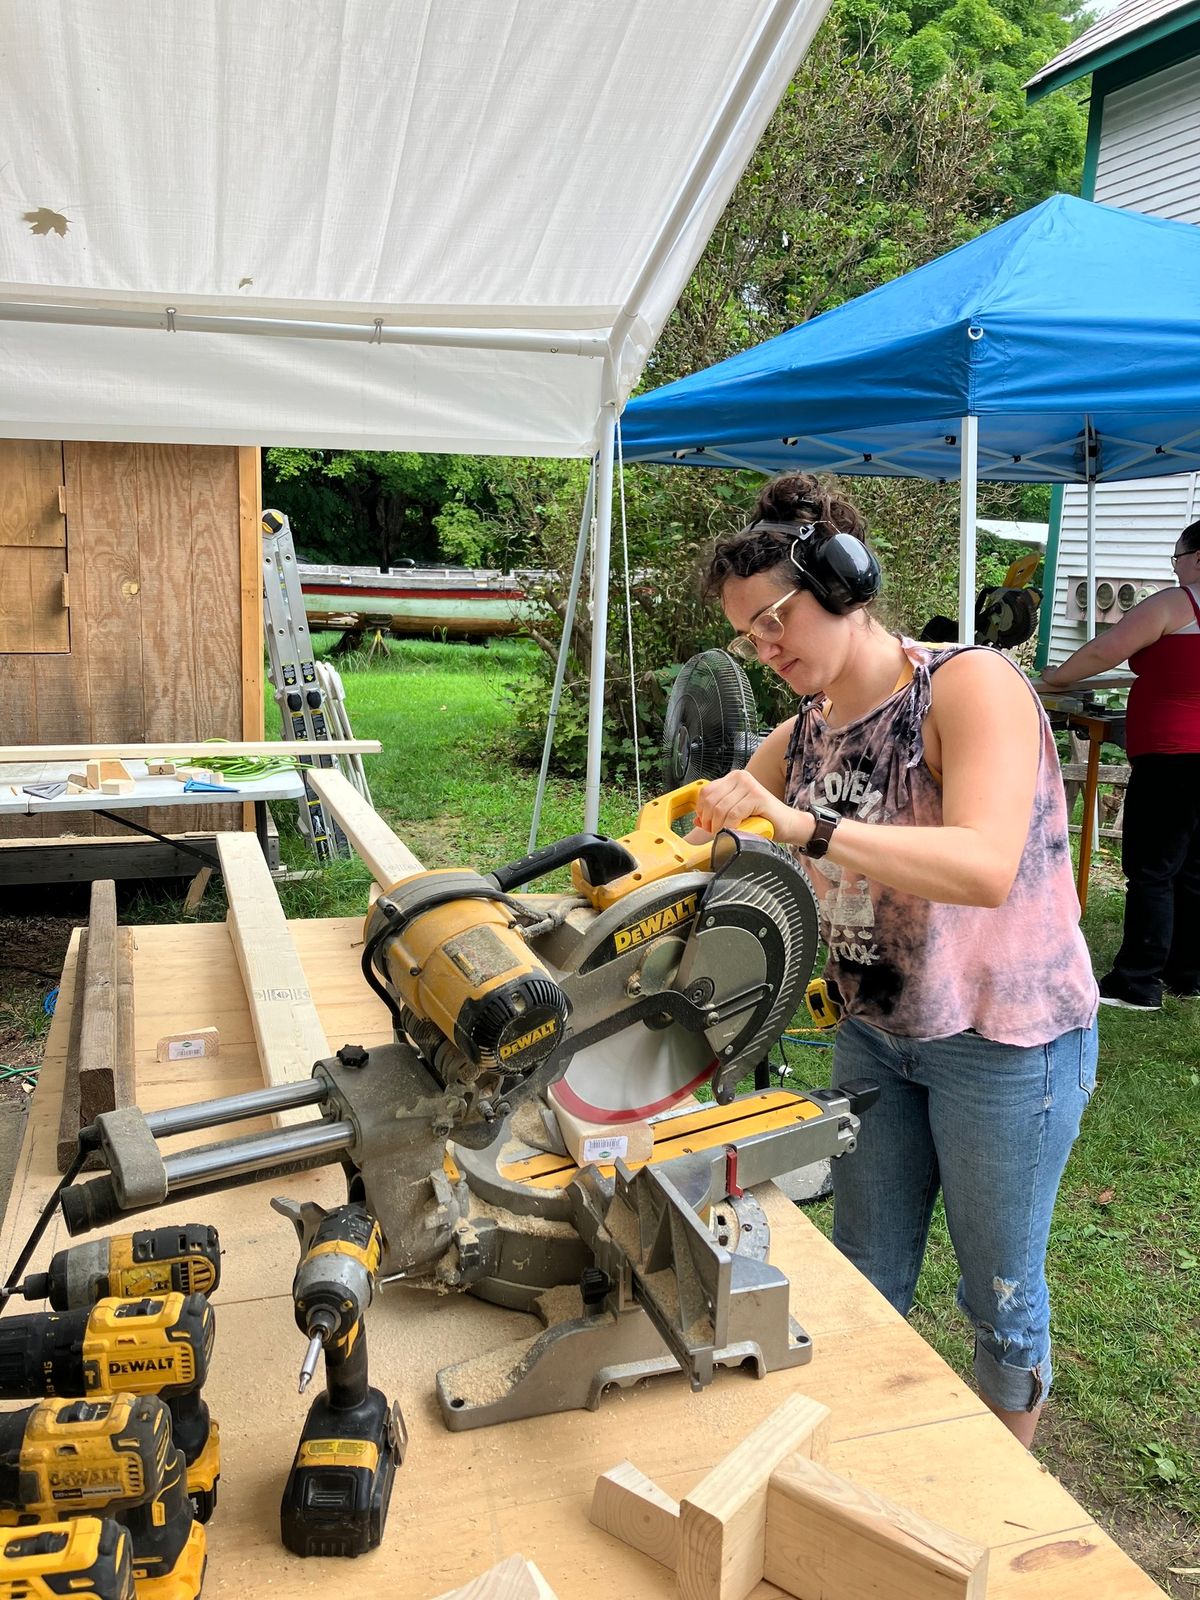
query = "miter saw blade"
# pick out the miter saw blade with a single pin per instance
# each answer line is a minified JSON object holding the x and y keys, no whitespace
{"x":635,"y":1074}
{"x":740,"y":952}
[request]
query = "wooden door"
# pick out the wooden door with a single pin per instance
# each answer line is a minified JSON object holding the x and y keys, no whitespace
{"x":35,"y":618}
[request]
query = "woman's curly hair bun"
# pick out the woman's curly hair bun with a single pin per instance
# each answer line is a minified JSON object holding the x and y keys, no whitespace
{"x":800,"y":497}
{"x":786,"y":504}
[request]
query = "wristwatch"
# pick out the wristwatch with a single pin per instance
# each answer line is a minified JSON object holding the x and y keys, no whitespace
{"x":825,"y":820}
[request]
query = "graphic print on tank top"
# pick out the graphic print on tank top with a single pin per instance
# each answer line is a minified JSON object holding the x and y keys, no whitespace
{"x":921,"y":968}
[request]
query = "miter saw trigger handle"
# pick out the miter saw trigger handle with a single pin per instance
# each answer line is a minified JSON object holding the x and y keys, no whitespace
{"x":604,"y":859}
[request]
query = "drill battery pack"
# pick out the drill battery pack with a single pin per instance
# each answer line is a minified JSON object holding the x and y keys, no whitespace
{"x":87,"y":1557}
{"x":336,"y":1498}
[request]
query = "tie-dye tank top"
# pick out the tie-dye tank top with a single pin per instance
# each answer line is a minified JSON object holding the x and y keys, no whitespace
{"x":1018,"y":973}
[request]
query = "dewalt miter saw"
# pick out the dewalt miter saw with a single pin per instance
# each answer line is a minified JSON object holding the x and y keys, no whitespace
{"x":522,"y":1138}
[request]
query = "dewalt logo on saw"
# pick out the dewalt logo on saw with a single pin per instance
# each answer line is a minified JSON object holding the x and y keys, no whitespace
{"x":657,"y":922}
{"x":516,"y":1047}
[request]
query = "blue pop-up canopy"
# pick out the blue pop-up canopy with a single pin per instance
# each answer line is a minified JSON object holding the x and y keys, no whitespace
{"x":1073,"y":316}
{"x":1061,"y":347}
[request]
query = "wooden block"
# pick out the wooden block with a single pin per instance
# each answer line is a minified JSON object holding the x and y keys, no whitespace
{"x":287,"y":1030}
{"x":628,"y":1505}
{"x":99,"y":772}
{"x":79,"y":779}
{"x":827,"y":1536}
{"x":189,"y":1046}
{"x":722,"y":1523}
{"x":514,"y":1579}
{"x":160,"y":769}
{"x":76,"y":788}
{"x":197,"y":775}
{"x":601,"y":1142}
{"x":117,"y":786}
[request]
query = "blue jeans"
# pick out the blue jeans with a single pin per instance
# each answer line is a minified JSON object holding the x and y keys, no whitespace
{"x":991,"y":1125}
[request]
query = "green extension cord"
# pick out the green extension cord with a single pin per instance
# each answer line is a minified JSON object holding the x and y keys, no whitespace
{"x":246,"y":767}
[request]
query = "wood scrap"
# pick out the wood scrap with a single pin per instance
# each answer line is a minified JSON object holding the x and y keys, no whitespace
{"x":287,"y":1030}
{"x":100,"y":1060}
{"x":117,"y":786}
{"x":191,"y":900}
{"x":723,"y":1521}
{"x":189,"y":1046}
{"x":385,"y":854}
{"x":26,"y":754}
{"x":513,"y":1579}
{"x":98,"y":773}
{"x":830,"y":1539}
{"x":628,"y":1505}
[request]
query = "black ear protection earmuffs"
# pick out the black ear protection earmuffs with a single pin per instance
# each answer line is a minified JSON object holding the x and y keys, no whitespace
{"x":837,"y":569}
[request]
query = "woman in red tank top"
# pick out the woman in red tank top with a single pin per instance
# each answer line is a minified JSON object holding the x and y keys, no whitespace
{"x":1160,"y":841}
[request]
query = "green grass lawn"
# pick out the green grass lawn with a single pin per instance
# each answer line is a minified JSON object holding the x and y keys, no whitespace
{"x":1121,"y":1427}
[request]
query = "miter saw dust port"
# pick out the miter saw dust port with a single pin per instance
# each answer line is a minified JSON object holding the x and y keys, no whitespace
{"x":515,"y":1026}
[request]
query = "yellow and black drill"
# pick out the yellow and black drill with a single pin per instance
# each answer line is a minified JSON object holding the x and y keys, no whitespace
{"x":182,"y":1260}
{"x":335,"y":1502}
{"x":88,"y":1558}
{"x":110,"y":1456}
{"x":157,"y":1345}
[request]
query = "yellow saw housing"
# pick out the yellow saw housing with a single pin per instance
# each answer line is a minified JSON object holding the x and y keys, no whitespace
{"x":460,"y":963}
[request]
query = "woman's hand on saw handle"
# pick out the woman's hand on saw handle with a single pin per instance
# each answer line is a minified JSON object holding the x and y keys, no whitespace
{"x":730,"y":801}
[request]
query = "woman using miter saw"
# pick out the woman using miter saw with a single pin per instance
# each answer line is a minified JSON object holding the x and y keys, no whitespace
{"x":920,"y":789}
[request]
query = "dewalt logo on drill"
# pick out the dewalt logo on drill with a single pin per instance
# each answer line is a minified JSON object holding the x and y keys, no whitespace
{"x":657,"y":922}
{"x":516,"y":1047}
{"x":140,"y":1364}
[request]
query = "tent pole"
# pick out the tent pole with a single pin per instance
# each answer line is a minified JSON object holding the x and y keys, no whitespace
{"x":604,"y":502}
{"x":564,"y":651}
{"x":1091,"y":557}
{"x":968,"y":487}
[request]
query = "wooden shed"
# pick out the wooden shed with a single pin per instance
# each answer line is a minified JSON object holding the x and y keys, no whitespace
{"x":130,"y":606}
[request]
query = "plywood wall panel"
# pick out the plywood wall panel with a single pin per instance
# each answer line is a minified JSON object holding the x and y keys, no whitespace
{"x":153,"y":547}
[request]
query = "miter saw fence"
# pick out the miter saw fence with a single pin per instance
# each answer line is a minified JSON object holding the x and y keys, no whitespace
{"x":624,"y":1003}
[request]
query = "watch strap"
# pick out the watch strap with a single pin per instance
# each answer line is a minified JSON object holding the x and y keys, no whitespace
{"x":824,"y":823}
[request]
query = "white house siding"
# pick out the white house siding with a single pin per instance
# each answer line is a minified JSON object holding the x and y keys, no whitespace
{"x":1149,"y":160}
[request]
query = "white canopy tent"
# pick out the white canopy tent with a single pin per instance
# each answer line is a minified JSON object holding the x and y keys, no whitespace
{"x":432,"y":225}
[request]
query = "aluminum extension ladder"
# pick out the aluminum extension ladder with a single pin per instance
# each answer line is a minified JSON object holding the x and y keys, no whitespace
{"x":299,"y":691}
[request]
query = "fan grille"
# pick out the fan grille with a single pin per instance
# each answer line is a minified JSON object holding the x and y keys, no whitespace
{"x":711,"y":723}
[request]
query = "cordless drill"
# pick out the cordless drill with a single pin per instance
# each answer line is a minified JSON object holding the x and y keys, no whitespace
{"x":158,"y":1346}
{"x":184,"y":1260}
{"x":109,"y":1456}
{"x":335,"y":1502}
{"x":87,"y":1558}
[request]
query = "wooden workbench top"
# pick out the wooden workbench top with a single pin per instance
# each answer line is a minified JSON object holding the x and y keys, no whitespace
{"x":903,"y":1423}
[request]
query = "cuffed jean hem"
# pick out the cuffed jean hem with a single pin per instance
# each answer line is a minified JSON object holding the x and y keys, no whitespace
{"x":1010,"y":1388}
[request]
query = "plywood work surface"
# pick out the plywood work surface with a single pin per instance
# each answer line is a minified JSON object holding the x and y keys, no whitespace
{"x":902,"y":1424}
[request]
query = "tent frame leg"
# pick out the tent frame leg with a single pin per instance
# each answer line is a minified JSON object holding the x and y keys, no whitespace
{"x":600,"y":572}
{"x":564,"y":651}
{"x":968,"y":497}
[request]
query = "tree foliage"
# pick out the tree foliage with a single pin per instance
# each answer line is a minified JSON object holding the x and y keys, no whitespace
{"x":904,"y":133}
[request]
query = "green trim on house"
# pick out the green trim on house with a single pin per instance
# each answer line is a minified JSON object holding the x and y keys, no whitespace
{"x":1123,"y":50}
{"x":1091,"y":150}
{"x":1049,"y":579}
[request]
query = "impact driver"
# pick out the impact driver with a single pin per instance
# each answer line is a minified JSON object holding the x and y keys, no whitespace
{"x":159,"y":1346}
{"x":109,"y":1456}
{"x":183,"y":1260}
{"x":335,"y":1502}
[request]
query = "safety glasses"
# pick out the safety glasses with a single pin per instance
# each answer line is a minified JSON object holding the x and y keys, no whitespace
{"x":768,"y":625}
